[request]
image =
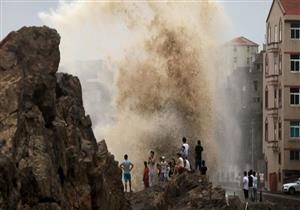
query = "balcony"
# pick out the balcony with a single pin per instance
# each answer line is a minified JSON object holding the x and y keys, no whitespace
{"x":273,"y":47}
{"x":272,"y":78}
{"x":273,"y":112}
{"x":273,"y":145}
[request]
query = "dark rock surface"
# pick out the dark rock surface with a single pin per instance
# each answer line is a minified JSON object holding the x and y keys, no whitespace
{"x":187,"y":191}
{"x":49,"y":156}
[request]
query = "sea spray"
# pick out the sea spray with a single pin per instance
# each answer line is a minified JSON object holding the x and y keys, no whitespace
{"x":164,"y":57}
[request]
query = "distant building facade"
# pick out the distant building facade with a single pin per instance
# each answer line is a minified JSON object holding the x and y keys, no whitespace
{"x":242,"y":52}
{"x":281,"y":94}
{"x":245,"y":94}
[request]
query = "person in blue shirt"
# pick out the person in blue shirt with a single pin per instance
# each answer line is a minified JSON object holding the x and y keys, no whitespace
{"x":127,"y":166}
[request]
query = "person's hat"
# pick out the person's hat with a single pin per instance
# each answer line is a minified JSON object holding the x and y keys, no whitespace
{"x":163,"y":157}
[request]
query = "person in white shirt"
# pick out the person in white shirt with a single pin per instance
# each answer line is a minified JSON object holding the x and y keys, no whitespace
{"x":254,"y":186}
{"x":187,"y":165}
{"x":163,"y":169}
{"x":245,"y":185}
{"x":186,"y":147}
{"x":179,"y":168}
{"x":151,"y":163}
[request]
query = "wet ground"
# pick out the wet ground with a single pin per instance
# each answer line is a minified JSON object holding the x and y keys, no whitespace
{"x":232,"y":191}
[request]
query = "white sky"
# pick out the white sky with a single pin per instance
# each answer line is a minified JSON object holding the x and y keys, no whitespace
{"x":247,"y":16}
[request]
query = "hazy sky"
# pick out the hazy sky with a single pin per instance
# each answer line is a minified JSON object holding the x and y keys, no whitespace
{"x":248,"y":17}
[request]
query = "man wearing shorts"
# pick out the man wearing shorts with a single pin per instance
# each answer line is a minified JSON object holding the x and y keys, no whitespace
{"x":127,"y":166}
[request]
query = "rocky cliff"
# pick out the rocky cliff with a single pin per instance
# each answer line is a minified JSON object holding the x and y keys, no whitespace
{"x":49,"y":156}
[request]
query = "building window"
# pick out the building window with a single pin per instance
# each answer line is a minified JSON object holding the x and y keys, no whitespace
{"x":266,"y":98}
{"x":276,"y":33}
{"x":275,"y":130}
{"x":275,"y":65}
{"x":280,"y":30}
{"x":256,"y":99}
{"x":295,"y":30}
{"x":266,"y":130}
{"x":248,"y":60}
{"x":266,"y":65}
{"x":235,"y":59}
{"x":234,"y":48}
{"x":275,"y":97}
{"x":279,"y":130}
{"x":279,"y":158}
{"x":294,"y":155}
{"x":269,"y":34}
{"x":295,"y":129}
{"x":295,"y":96}
{"x":255,"y":85}
{"x":248,"y":49}
{"x":280,"y":64}
{"x":295,"y":61}
{"x":279,"y":97}
{"x":258,"y":67}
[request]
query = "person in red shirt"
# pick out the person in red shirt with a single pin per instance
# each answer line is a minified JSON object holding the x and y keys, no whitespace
{"x":146,"y":175}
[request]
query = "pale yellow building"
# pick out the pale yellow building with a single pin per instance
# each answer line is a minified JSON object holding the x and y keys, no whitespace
{"x":241,"y":51}
{"x":281,"y":95}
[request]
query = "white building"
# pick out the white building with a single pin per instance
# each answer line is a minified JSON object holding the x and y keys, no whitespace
{"x":242,"y":52}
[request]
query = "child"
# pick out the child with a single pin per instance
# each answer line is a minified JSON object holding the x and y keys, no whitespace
{"x":146,"y":175}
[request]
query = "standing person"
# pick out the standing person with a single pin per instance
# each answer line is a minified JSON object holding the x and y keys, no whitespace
{"x":187,"y":165}
{"x":151,"y":162}
{"x":254,"y":186}
{"x":245,"y":185}
{"x":163,"y":169}
{"x":250,"y":184}
{"x":186,"y":147}
{"x":146,"y":175}
{"x":203,"y":168}
{"x":179,"y":168}
{"x":169,"y":173}
{"x":182,"y":152}
{"x":158,"y":168}
{"x":127,"y":166}
{"x":198,"y":155}
{"x":172,"y":165}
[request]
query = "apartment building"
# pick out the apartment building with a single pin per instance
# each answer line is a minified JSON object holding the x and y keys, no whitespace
{"x":242,"y":52}
{"x":281,"y":94}
{"x":244,"y":90}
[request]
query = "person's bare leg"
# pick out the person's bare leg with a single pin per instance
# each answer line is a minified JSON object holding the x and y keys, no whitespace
{"x":125,"y":186}
{"x":130,"y":186}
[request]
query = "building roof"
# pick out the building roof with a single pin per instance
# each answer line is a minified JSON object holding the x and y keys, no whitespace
{"x":242,"y":41}
{"x":288,"y":7}
{"x":291,"y":7}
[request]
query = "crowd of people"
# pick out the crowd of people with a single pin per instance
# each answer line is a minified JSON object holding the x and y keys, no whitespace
{"x":161,"y":170}
{"x":250,"y":185}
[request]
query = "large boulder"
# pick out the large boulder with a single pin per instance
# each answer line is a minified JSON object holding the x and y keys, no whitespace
{"x":189,"y":191}
{"x":50,"y":158}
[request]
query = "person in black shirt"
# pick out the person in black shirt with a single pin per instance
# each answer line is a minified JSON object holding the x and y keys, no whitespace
{"x":203,"y":168}
{"x":250,"y":185}
{"x":198,"y":155}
